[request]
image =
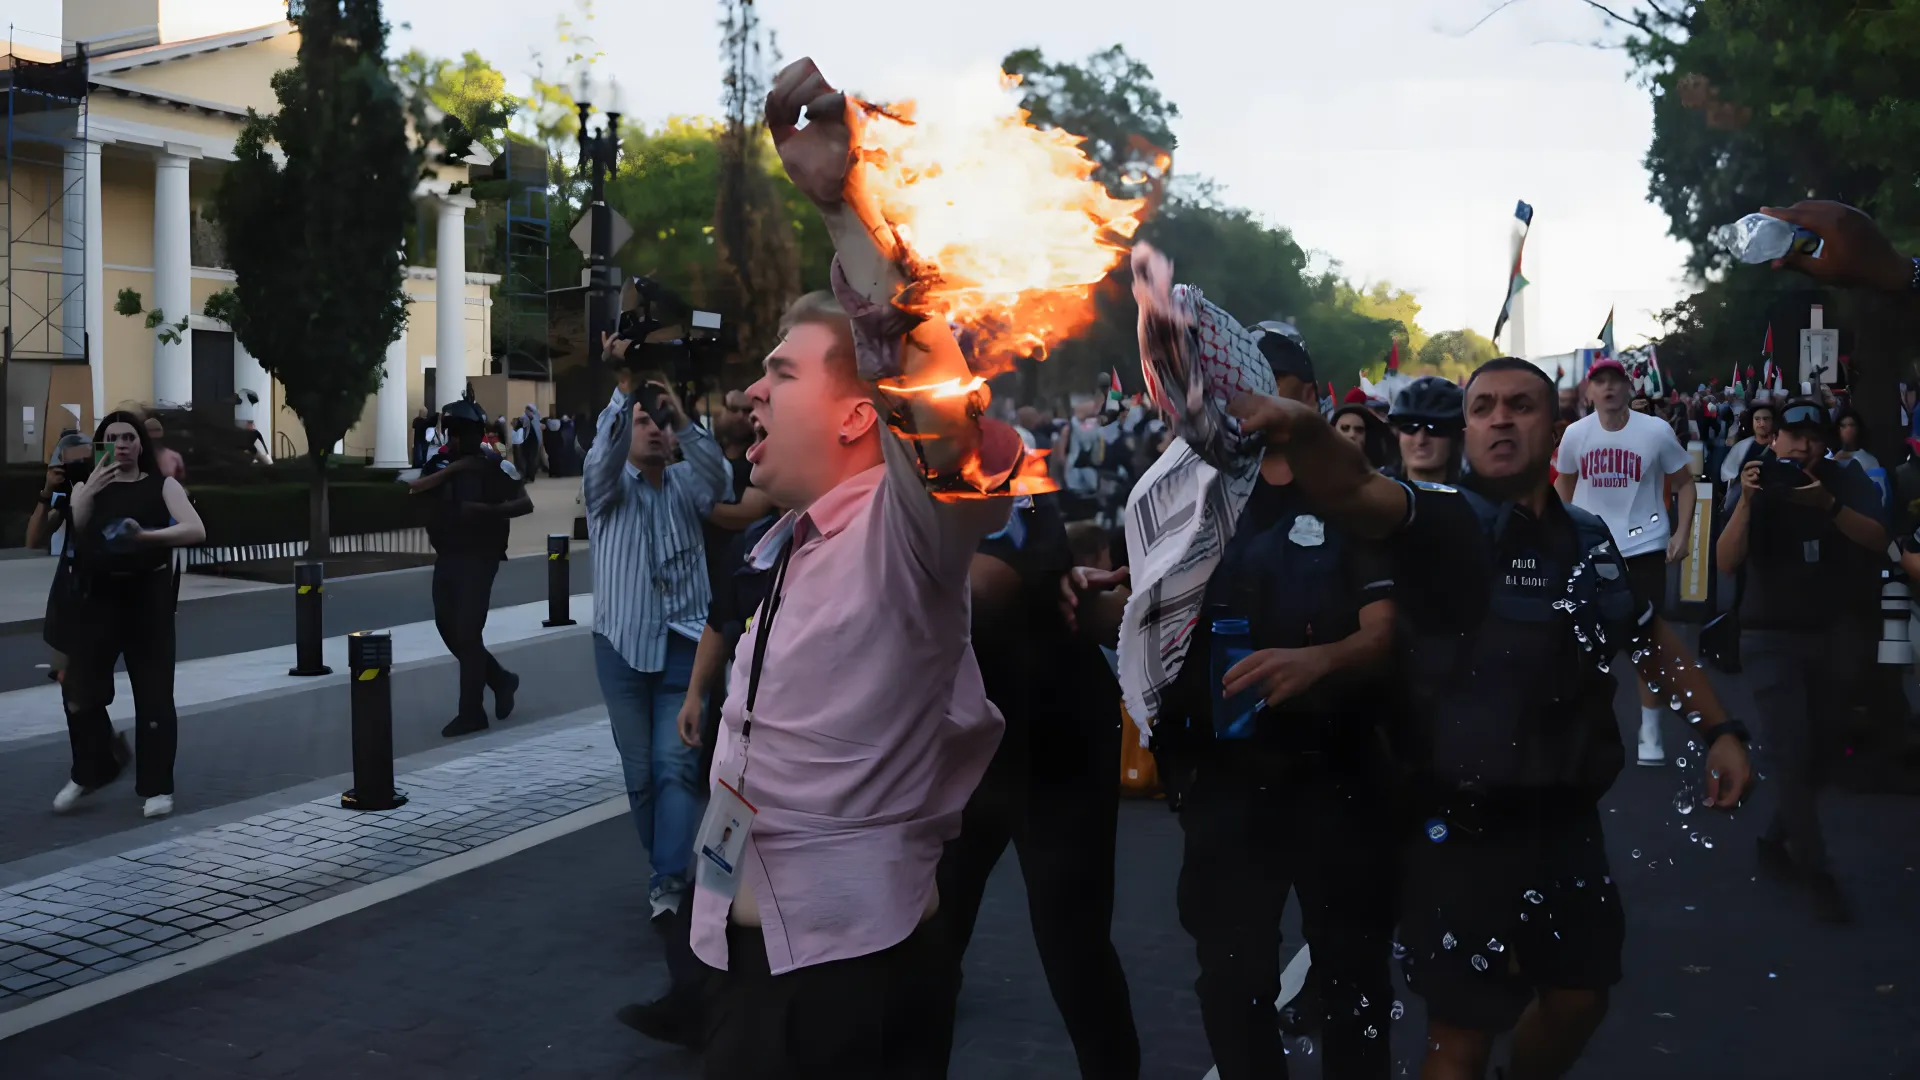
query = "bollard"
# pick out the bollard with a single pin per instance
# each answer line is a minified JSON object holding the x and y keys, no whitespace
{"x":370,"y":659}
{"x":309,"y":581}
{"x":1896,"y":607}
{"x":559,"y":581}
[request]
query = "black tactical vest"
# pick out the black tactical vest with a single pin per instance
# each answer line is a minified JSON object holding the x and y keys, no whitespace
{"x":1522,"y":697}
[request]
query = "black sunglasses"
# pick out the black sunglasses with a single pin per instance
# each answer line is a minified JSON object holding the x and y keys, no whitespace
{"x":1438,"y":431}
{"x":1798,"y":415}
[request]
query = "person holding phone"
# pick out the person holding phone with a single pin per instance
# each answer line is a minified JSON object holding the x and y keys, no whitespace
{"x":126,"y":519}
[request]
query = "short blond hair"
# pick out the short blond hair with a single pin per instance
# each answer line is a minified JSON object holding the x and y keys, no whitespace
{"x":822,"y":308}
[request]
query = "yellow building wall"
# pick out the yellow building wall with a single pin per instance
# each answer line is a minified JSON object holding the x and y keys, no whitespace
{"x":222,"y":129}
{"x":241,"y":76}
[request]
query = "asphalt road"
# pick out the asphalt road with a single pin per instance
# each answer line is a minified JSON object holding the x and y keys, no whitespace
{"x":515,"y":969}
{"x":243,"y":622}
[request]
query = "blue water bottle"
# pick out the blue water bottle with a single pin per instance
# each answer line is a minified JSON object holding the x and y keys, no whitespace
{"x":1232,"y":716}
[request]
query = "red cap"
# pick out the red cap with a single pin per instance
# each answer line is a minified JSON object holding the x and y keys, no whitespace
{"x":1355,"y":396}
{"x":1606,"y":363}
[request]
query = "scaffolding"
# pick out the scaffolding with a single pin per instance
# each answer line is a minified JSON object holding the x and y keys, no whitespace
{"x":527,"y":275}
{"x":43,"y":281}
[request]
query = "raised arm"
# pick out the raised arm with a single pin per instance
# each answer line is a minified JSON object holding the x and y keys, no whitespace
{"x":703,"y":466}
{"x":1331,"y":472}
{"x":603,"y":474}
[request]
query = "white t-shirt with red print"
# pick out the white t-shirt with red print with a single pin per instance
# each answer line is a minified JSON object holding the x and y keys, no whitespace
{"x":1623,"y":477}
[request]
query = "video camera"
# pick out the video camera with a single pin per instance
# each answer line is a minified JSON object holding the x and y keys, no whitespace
{"x":669,"y":336}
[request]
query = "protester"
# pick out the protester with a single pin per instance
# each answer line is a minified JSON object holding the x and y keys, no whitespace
{"x":1798,"y":525}
{"x":1756,"y":434}
{"x":1427,"y":416}
{"x":651,"y":594}
{"x":256,"y":444}
{"x":1617,"y":465}
{"x":171,"y":464}
{"x":823,"y":917}
{"x":475,"y":494}
{"x":1508,"y":912}
{"x":1356,"y":422}
{"x":1051,"y":790}
{"x":71,"y":463}
{"x":127,"y":517}
{"x":1850,"y":427}
{"x":530,"y":443}
{"x":422,"y":424}
{"x":1279,"y":764}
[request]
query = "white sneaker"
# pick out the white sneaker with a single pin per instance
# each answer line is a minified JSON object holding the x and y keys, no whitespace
{"x":158,"y":806}
{"x":69,"y":797}
{"x":1651,"y":751}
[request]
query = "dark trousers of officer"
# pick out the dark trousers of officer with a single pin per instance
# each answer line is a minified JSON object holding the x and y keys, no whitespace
{"x":462,"y":594}
{"x":1059,"y":812}
{"x":1257,"y":826}
{"x":1801,"y":681}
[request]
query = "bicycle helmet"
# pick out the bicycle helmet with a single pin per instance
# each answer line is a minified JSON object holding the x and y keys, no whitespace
{"x":1429,"y":399}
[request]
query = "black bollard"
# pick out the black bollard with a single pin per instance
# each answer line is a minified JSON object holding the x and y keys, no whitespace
{"x":559,"y":581}
{"x":370,"y":659}
{"x":309,"y":581}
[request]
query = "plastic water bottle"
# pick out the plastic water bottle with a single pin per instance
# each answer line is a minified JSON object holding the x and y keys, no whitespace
{"x":1232,"y":716}
{"x":1758,"y":238}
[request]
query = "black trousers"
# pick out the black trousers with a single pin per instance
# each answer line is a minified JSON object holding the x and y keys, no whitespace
{"x":126,"y":617}
{"x":1058,"y":805}
{"x":873,"y":1017}
{"x":462,"y":594}
{"x":1801,"y":682}
{"x":1256,"y":828}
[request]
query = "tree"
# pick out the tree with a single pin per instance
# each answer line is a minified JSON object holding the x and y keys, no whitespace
{"x":1455,"y":353}
{"x":470,"y":91}
{"x":754,"y":239}
{"x":315,"y":243}
{"x":1108,"y":99}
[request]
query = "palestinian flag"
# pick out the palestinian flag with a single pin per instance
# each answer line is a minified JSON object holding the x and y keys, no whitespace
{"x":1606,"y":338}
{"x":1523,"y":221}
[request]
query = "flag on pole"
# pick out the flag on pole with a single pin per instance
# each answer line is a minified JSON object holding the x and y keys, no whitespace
{"x":1655,"y":376}
{"x":1393,"y":358}
{"x":1523,"y":216}
{"x":1606,"y":338}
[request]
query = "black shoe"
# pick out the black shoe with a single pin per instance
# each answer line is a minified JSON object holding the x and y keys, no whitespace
{"x":1775,"y":860}
{"x":672,"y":1020}
{"x":503,"y":697}
{"x":1829,"y":906}
{"x":464,"y":726}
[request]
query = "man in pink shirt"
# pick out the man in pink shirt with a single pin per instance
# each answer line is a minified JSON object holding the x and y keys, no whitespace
{"x":854,"y":733}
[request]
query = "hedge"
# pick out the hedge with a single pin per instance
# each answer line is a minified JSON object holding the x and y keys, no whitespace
{"x":270,"y":511}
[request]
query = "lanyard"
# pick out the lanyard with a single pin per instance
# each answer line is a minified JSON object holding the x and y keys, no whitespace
{"x":769,"y":607}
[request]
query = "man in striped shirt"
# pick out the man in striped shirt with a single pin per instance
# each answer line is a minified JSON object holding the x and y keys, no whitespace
{"x":650,"y":595}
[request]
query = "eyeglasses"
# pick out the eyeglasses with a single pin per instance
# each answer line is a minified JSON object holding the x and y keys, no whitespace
{"x":1438,"y":431}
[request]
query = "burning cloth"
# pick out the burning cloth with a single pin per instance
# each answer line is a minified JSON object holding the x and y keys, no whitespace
{"x":1196,"y":359}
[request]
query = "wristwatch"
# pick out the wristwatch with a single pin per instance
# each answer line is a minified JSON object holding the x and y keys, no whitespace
{"x":1726,"y":727}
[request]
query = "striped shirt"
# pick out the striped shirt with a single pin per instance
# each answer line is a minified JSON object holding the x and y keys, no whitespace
{"x":649,"y":557}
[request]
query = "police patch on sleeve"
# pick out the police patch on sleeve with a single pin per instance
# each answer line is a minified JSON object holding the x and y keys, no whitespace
{"x":1307,"y":531}
{"x":1442,"y":489}
{"x":507,"y":467}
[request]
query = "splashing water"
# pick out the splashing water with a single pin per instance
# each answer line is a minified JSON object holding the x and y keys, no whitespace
{"x":1448,"y":941}
{"x":1493,"y":945}
{"x":1397,"y":1011}
{"x":1693,"y":718}
{"x":1636,"y":854}
{"x":1479,"y":962}
{"x":1372,"y":1032}
{"x":1675,"y":703}
{"x":1533,"y":895}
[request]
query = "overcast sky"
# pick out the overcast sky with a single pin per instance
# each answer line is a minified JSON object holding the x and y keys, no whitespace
{"x":1378,"y":131}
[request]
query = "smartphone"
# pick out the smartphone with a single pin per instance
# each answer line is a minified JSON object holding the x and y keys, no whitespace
{"x":100,"y":454}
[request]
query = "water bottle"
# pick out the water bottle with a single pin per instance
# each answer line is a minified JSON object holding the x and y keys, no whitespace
{"x":1232,"y":716}
{"x":1758,"y":238}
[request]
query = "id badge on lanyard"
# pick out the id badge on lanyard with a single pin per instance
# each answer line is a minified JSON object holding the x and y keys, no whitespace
{"x":721,"y":841}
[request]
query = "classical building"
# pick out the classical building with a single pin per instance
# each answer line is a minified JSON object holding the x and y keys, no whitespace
{"x":114,"y":143}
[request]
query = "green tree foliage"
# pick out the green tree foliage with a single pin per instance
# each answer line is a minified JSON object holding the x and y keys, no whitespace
{"x":1454,"y":353}
{"x":315,"y":239}
{"x":470,"y":91}
{"x":1108,"y":99}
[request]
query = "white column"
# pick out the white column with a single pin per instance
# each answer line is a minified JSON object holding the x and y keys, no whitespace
{"x":390,"y":427}
{"x":450,"y":302}
{"x":73,"y":254}
{"x":96,"y":304}
{"x":172,"y":276}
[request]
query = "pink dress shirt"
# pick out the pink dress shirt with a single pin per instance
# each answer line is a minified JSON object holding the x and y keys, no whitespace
{"x":872,"y":726}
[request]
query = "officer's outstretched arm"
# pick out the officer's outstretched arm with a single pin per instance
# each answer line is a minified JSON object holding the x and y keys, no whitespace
{"x":1331,"y":472}
{"x":1669,"y":669}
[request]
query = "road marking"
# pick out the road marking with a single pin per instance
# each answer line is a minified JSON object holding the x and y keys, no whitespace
{"x":119,"y":984}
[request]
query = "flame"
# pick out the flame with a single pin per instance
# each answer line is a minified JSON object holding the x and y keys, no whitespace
{"x":1001,"y":224}
{"x":951,"y":388}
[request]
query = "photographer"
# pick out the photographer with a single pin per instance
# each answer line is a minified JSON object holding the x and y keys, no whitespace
{"x":1803,"y":527}
{"x":476,"y":492}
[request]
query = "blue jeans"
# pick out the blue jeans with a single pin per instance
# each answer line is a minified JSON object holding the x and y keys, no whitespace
{"x":663,"y":782}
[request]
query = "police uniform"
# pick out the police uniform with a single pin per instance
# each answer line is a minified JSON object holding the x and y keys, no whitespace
{"x":1508,"y":624}
{"x":468,"y":554}
{"x":1300,"y":804}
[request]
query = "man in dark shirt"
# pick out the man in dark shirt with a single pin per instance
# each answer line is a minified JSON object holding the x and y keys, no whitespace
{"x":471,"y":493}
{"x":1512,"y":605}
{"x":1804,"y":527}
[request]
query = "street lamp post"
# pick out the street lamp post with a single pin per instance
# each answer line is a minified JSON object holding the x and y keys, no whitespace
{"x":600,"y":157}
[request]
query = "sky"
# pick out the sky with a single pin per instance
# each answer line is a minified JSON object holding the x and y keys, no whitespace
{"x":1381,"y":132}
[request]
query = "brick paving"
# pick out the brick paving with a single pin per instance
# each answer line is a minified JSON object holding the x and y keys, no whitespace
{"x":111,"y":914}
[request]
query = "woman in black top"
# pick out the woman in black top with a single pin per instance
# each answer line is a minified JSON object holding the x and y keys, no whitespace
{"x":127,"y":519}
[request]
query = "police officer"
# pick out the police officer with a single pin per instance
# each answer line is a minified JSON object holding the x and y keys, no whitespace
{"x":1427,"y":419}
{"x":1512,"y":604}
{"x":1282,"y":769}
{"x":471,"y":493}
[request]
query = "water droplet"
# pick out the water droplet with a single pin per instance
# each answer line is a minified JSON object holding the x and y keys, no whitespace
{"x":1605,"y":667}
{"x":1372,"y":1032}
{"x":1675,"y":703}
{"x":1693,"y":837}
{"x":1693,"y":718}
{"x":1579,"y":883}
{"x":1636,"y":853}
{"x":1493,"y":945}
{"x":1448,"y":941}
{"x":1399,"y":951}
{"x":1479,"y":962}
{"x":1653,"y":688}
{"x":1609,"y":880}
{"x":1306,"y":1046}
{"x":1523,"y":916}
{"x":1707,"y":842}
{"x":1364,"y":1003}
{"x":1397,"y":1011}
{"x":1533,"y":895}
{"x":1679,"y":763}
